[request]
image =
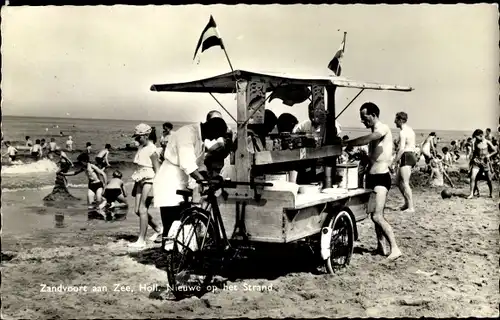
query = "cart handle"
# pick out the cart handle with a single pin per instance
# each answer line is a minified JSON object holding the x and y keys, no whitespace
{"x":231,"y":184}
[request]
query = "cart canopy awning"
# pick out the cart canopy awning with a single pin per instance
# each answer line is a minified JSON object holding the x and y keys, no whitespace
{"x":225,"y":83}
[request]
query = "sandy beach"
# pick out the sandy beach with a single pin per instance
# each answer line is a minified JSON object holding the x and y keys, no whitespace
{"x":449,"y":269}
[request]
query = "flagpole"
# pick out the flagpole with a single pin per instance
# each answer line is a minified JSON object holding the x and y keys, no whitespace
{"x":343,"y":50}
{"x":227,"y":57}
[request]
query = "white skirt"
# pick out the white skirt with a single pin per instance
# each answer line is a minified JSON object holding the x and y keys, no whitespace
{"x":167,"y":181}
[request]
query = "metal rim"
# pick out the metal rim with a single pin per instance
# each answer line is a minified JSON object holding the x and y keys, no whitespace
{"x":341,"y":242}
{"x":191,"y":262}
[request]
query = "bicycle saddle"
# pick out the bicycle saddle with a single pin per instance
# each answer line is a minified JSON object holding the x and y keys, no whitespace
{"x":185,"y":193}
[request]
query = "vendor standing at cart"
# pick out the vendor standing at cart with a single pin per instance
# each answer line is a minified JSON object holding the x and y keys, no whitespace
{"x":378,"y":177}
{"x":184,"y":156}
{"x":310,"y":126}
{"x":217,"y":151}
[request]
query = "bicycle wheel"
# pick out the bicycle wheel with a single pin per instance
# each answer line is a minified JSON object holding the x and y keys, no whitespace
{"x":194,"y":257}
{"x":342,"y":241}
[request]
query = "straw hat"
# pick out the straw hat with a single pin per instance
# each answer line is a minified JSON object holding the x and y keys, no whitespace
{"x":142,"y":130}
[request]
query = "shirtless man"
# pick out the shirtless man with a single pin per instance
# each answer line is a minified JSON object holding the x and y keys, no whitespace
{"x":428,"y":148}
{"x":406,"y":158}
{"x":378,"y":177}
{"x":480,"y":161}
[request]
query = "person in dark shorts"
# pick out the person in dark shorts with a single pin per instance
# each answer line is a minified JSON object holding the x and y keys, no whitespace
{"x":96,"y":185}
{"x":480,"y":162}
{"x":378,"y":178}
{"x":36,"y":150}
{"x":11,"y":151}
{"x":114,"y":192}
{"x":101,"y":160}
{"x":406,"y":158}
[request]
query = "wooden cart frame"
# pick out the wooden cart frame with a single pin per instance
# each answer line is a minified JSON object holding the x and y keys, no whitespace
{"x":281,"y":216}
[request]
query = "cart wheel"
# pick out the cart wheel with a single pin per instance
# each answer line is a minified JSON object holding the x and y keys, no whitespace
{"x":341,"y":243}
{"x":194,"y":257}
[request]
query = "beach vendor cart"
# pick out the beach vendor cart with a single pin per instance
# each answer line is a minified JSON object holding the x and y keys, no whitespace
{"x":257,"y":207}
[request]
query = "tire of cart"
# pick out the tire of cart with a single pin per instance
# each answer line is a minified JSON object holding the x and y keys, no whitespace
{"x":337,"y":240}
{"x":194,"y":258}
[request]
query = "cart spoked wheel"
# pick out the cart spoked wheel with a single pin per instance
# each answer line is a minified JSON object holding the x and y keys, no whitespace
{"x":194,"y":257}
{"x":341,"y":242}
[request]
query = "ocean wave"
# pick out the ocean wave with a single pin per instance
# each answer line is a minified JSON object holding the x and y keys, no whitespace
{"x":48,"y":187}
{"x":26,"y":189}
{"x":43,"y":165}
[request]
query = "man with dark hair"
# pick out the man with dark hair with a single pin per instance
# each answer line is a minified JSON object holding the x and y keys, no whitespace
{"x":214,"y":114}
{"x":378,"y":178}
{"x":406,"y":158}
{"x":217,"y":150}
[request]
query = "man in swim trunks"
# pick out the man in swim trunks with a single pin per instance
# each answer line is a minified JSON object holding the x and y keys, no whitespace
{"x":115,"y":191}
{"x":406,"y":158}
{"x":378,"y":177}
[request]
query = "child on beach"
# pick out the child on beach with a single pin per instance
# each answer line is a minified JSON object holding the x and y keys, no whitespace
{"x":114,"y":192}
{"x":438,"y":172}
{"x":468,"y":148}
{"x":60,"y":191}
{"x":480,"y":163}
{"x":147,"y":162}
{"x":447,"y":158}
{"x":29,"y":142}
{"x":52,"y":148}
{"x":88,"y":147}
{"x":69,"y":144}
{"x":62,"y":156}
{"x":11,"y":151}
{"x":44,"y":146}
{"x":96,"y":185}
{"x":102,"y":157}
{"x":36,"y":150}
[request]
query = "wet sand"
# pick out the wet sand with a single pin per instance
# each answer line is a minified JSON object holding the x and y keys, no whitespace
{"x":449,"y":268}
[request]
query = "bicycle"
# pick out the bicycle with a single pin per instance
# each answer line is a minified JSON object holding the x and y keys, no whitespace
{"x":200,"y":246}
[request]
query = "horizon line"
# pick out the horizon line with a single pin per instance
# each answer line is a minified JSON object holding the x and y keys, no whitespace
{"x":179,"y":121}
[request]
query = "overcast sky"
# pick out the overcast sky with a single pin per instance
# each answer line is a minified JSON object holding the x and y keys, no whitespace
{"x":99,"y":62}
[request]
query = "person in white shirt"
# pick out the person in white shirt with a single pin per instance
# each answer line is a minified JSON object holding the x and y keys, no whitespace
{"x":11,"y":151}
{"x":147,"y":164}
{"x":184,"y":158}
{"x":406,"y":158}
{"x":378,"y":177}
{"x":69,"y":144}
{"x":311,"y":125}
{"x":36,"y":150}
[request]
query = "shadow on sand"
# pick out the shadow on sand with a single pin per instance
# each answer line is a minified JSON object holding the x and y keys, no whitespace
{"x":265,"y":262}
